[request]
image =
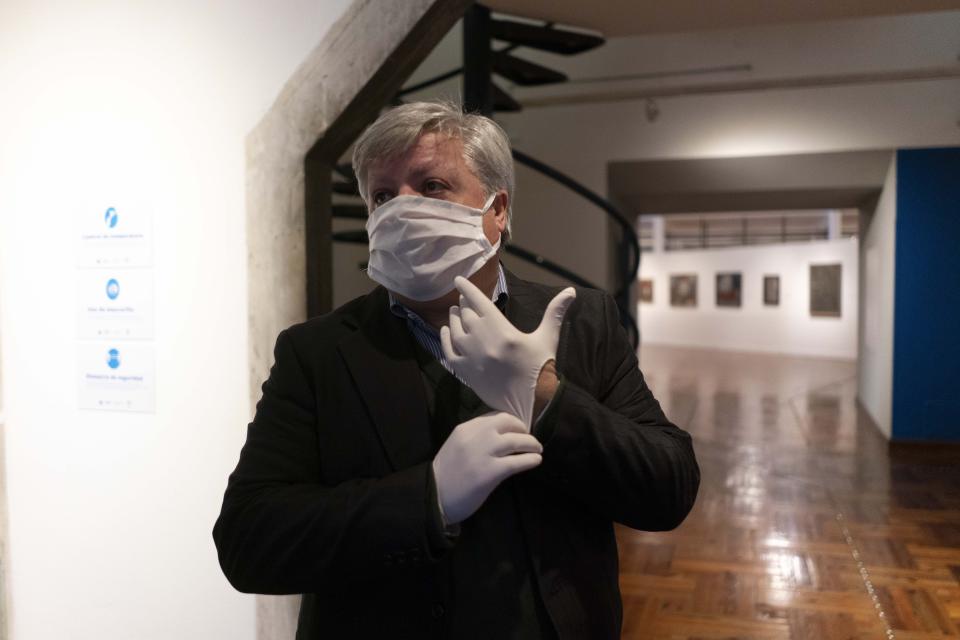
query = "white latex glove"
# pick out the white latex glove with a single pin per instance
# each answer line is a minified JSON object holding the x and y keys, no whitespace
{"x":480,"y":454}
{"x":499,"y":362}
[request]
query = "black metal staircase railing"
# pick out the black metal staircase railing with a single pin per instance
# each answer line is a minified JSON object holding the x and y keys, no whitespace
{"x":483,"y":95}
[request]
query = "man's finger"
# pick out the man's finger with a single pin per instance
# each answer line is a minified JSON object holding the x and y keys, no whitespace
{"x":513,"y":443}
{"x":553,"y":316}
{"x":456,"y":326}
{"x":447,"y":345}
{"x":469,"y":319}
{"x":560,"y":303}
{"x":509,"y":423}
{"x":476,"y":299}
{"x":510,"y":465}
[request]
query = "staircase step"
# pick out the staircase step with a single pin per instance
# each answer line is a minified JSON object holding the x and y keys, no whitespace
{"x":503,"y":101}
{"x":353,"y":211}
{"x":345,"y":188}
{"x":544,"y":38}
{"x":358,"y":236}
{"x":523,"y":72}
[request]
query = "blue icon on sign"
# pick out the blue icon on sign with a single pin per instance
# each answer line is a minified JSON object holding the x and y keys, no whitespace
{"x":113,"y":288}
{"x":113,"y":358}
{"x":110,"y":217}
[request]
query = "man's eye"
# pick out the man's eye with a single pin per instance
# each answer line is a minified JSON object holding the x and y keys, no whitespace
{"x":432,"y":186}
{"x":379,"y":198}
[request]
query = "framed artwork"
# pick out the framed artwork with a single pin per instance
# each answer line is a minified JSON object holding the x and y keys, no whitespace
{"x":683,"y":290}
{"x":771,"y":291}
{"x":729,"y":288}
{"x":825,"y":290}
{"x":645,"y":291}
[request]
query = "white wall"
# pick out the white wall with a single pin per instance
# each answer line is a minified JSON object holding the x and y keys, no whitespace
{"x":787,"y":328}
{"x":878,"y":261}
{"x":111,"y":513}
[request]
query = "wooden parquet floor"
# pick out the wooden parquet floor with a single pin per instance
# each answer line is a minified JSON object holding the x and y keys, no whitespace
{"x":807,"y":525}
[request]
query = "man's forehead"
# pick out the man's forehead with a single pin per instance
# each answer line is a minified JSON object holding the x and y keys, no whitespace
{"x":429,"y":151}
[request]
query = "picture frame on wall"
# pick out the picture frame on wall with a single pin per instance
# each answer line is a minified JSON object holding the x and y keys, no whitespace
{"x":645,"y":290}
{"x":825,"y":290}
{"x":729,"y":289}
{"x":771,"y":291}
{"x":683,"y":290}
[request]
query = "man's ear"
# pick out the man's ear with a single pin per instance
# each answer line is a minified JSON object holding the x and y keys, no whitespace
{"x":501,"y":204}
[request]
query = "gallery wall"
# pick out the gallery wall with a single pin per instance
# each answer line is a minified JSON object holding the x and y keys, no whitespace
{"x":787,"y":328}
{"x":877,"y":287}
{"x":110,"y":513}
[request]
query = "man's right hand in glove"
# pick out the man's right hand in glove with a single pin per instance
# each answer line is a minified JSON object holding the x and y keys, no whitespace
{"x":479,"y":455}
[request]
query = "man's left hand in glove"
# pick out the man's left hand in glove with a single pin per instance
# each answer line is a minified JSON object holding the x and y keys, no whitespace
{"x":499,"y":362}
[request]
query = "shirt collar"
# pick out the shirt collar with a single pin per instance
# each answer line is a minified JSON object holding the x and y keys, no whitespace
{"x":499,"y":297}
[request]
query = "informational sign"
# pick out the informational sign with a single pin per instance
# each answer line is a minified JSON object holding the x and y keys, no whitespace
{"x":115,"y":307}
{"x":116,"y":235}
{"x":117,"y":376}
{"x":115,"y":303}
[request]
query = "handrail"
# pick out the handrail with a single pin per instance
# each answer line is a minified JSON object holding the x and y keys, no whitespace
{"x":625,"y":318}
{"x":599,"y":201}
{"x":549,"y":265}
{"x":629,"y":235}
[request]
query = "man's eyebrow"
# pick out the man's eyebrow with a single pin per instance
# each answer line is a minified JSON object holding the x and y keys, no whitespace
{"x":426,"y":168}
{"x":378,"y":178}
{"x":384,"y":178}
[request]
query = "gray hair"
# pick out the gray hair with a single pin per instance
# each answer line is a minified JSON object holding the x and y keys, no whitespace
{"x":486,"y":148}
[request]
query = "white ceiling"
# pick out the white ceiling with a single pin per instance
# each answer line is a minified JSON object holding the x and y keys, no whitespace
{"x":826,"y":53}
{"x":635,"y":17}
{"x":769,"y":103}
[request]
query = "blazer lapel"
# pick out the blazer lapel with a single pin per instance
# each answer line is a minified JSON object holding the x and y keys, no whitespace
{"x":524,"y":306}
{"x":381,"y":360}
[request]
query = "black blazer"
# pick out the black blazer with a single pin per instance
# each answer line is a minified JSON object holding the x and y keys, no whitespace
{"x":332,"y":496}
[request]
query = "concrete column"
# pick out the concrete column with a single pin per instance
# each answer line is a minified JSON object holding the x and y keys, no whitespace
{"x":376,"y":41}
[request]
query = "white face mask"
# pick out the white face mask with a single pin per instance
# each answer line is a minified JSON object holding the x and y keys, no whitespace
{"x":419,"y":245}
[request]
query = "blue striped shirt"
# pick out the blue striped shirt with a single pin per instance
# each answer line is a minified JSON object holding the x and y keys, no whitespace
{"x":426,"y":335}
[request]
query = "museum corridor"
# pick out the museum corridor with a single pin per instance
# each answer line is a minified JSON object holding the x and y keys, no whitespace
{"x":807,"y":526}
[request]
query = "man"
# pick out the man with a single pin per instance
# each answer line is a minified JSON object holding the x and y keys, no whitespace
{"x":445,"y":457}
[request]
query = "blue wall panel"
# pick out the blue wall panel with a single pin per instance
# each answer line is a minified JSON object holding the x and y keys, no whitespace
{"x":926,"y":326}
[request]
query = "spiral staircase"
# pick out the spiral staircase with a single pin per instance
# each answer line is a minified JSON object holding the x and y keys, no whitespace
{"x":482,"y":62}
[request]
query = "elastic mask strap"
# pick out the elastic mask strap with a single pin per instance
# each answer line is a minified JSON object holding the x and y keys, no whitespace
{"x":486,"y":205}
